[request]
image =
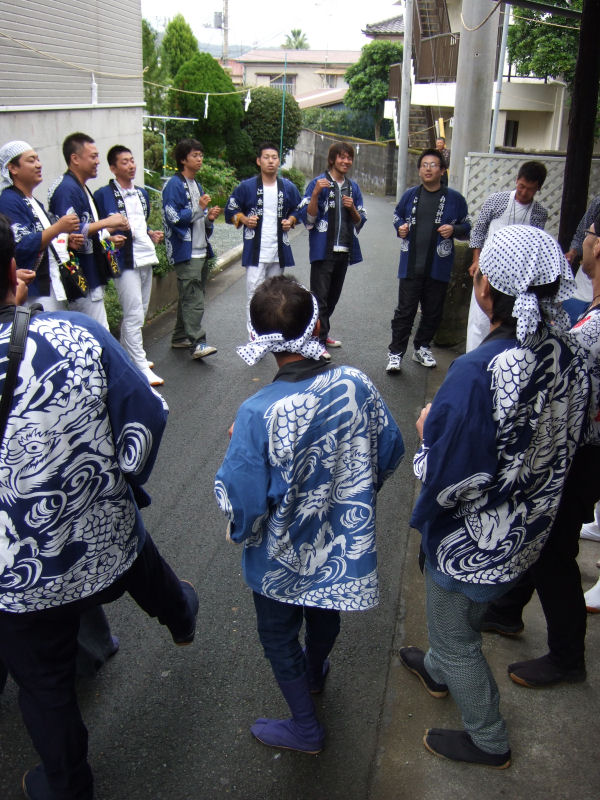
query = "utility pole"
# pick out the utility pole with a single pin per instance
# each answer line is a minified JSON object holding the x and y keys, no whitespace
{"x":580,"y":144}
{"x":474,"y":85}
{"x":225,"y":30}
{"x":405,"y":93}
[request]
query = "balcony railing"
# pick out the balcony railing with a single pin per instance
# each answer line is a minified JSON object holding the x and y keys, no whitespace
{"x":437,"y":58}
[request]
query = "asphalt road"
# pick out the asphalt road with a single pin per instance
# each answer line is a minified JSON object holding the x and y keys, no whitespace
{"x":169,"y":722}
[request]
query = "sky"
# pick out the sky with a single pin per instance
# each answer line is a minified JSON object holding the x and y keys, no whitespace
{"x":328,"y":24}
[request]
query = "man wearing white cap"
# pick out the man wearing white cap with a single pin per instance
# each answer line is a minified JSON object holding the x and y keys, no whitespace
{"x":38,"y":240}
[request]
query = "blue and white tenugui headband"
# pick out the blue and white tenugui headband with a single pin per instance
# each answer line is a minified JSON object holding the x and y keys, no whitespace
{"x":305,"y":345}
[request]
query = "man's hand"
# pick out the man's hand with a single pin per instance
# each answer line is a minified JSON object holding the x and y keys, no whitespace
{"x":402,"y":231}
{"x":204,"y":201}
{"x":446,"y":231}
{"x":421,"y":421}
{"x":473,"y":269}
{"x":75,"y":241}
{"x":116,"y":222}
{"x":322,"y":183}
{"x":21,"y":293}
{"x":213,"y":212}
{"x":250,"y":222}
{"x":571,"y":255}
{"x":25,"y":275}
{"x":156,"y":236}
{"x":118,"y":240}
{"x":68,"y":223}
{"x":287,"y":224}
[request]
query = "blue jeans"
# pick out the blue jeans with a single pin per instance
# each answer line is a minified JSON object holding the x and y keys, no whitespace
{"x":278,"y":628}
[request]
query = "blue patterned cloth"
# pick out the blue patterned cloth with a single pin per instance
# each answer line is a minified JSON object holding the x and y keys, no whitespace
{"x":82,"y":435}
{"x":498,"y":442}
{"x":299,"y":483}
{"x":178,"y":218}
{"x":586,"y":333}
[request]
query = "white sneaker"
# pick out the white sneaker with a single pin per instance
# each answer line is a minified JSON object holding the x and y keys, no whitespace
{"x":592,"y":598}
{"x":152,"y":378}
{"x":424,"y":357}
{"x":590,"y":530}
{"x":394,"y":363}
{"x":201,"y":350}
{"x":325,"y":355}
{"x":150,"y":364}
{"x":333,"y":342}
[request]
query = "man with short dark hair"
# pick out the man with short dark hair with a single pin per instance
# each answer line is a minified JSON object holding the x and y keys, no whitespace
{"x":264,"y":206}
{"x":137,"y":256}
{"x":70,"y":195}
{"x":82,"y":434}
{"x":332,"y":210}
{"x":440,"y":145}
{"x":188,"y":222}
{"x":426,"y":220}
{"x":499,"y":209}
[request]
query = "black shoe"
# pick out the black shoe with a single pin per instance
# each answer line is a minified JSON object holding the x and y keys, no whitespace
{"x":413,"y":659}
{"x":541,"y":672}
{"x":35,"y":784}
{"x":187,"y":637}
{"x":495,"y":623}
{"x":458,"y":746}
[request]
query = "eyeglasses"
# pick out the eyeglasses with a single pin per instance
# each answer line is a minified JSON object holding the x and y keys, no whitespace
{"x":430,"y":164}
{"x":591,"y":233}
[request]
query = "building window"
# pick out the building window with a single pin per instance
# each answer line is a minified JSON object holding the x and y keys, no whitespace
{"x":280,"y":82}
{"x":330,"y":81}
{"x":511,"y":132}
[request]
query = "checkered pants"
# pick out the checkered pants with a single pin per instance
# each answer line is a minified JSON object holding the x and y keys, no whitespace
{"x":455,"y":658}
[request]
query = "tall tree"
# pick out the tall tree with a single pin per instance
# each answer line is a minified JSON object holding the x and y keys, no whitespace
{"x":546,"y":51}
{"x":203,"y":73}
{"x":178,"y":45}
{"x":368,"y":79}
{"x":155,"y":72}
{"x":295,"y":40}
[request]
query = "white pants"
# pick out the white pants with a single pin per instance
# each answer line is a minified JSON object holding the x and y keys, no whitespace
{"x":134,"y":287}
{"x":48,"y":302}
{"x":478,"y":325}
{"x":93,"y":306}
{"x":257,"y":275}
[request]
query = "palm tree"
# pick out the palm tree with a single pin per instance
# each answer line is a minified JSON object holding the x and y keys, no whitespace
{"x":295,"y":40}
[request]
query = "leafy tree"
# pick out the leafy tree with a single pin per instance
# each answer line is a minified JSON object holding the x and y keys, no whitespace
{"x":178,"y":45}
{"x":155,"y":72}
{"x":343,"y":122}
{"x":262,"y":121}
{"x":368,"y":79}
{"x":203,"y":73}
{"x":295,"y":40}
{"x":544,"y":50}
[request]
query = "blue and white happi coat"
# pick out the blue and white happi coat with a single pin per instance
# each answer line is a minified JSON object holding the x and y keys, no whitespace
{"x":299,"y":484}
{"x":82,"y":435}
{"x":247,"y":198}
{"x":586,"y":333}
{"x":178,"y":219}
{"x":498,"y":442}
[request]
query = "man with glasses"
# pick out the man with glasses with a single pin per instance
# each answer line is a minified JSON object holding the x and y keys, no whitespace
{"x":188,"y":222}
{"x":426,"y":219}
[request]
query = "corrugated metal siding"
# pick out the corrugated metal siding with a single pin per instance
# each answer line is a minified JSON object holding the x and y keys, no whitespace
{"x":100,"y":36}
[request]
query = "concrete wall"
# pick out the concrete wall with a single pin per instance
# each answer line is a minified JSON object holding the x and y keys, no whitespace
{"x":45,"y":131}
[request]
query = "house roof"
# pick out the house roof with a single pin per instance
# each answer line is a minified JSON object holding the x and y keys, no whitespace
{"x":322,"y":97}
{"x":277,"y":55}
{"x":389,"y":27}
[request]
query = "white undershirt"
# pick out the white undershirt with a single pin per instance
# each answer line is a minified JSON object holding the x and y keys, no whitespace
{"x":57,"y":286}
{"x":144,"y":254}
{"x":268,"y":235}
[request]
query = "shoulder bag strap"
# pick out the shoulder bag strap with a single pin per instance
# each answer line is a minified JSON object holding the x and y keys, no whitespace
{"x":16,"y":350}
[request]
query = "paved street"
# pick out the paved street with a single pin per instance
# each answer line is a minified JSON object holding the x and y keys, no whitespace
{"x":169,"y":722}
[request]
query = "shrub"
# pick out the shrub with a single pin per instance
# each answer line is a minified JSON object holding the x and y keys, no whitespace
{"x":296,"y":177}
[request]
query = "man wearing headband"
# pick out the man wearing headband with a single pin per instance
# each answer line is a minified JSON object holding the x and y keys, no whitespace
{"x":497,"y":443}
{"x":70,"y":195}
{"x":504,"y":208}
{"x":35,"y":234}
{"x":307,"y":456}
{"x":556,"y":576}
{"x":82,"y":435}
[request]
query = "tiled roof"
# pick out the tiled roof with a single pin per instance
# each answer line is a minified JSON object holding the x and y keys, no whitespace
{"x":389,"y":27}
